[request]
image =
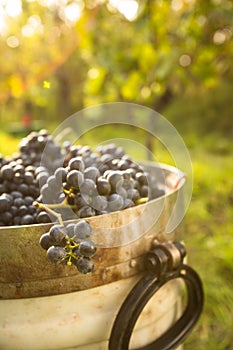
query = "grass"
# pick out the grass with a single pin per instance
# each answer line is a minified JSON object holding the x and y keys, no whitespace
{"x":207,"y":230}
{"x":8,"y":144}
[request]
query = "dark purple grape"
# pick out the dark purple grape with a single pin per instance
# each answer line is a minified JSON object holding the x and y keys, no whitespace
{"x":7,"y":172}
{"x":53,"y":184}
{"x":84,"y":265}
{"x":24,"y":189}
{"x":17,"y":220}
{"x":144,"y":191}
{"x":87,"y":248}
{"x":27,"y":219}
{"x":103,"y":186}
{"x":56,"y":254}
{"x":115,"y":179}
{"x":43,"y":217}
{"x":141,"y":178}
{"x":99,"y":203}
{"x":57,"y":234}
{"x":18,"y":202}
{"x":70,"y":229}
{"x":115,"y":202}
{"x":133,"y":194}
{"x":28,"y":178}
{"x":76,"y":164}
{"x":42,"y":178}
{"x":60,"y":174}
{"x":75,"y":179}
{"x":28,"y":200}
{"x":6,"y":217}
{"x":91,"y":173}
{"x":5,"y":203}
{"x":16,"y":194}
{"x":88,"y":187}
{"x":22,"y":210}
{"x":83,"y":229}
{"x":45,"y":241}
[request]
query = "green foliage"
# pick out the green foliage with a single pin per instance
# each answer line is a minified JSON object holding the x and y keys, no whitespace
{"x":167,"y":50}
{"x":207,"y":230}
{"x":211,"y":117}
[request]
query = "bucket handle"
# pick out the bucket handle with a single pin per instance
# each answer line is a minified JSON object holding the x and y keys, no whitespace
{"x":162,"y":266}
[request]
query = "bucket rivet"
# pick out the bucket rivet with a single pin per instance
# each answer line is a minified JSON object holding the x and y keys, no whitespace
{"x":133,"y":263}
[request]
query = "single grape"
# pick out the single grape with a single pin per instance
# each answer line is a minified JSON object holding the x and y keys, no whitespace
{"x":27,"y":219}
{"x":70,"y":229}
{"x":83,"y":229}
{"x":58,"y":234}
{"x":42,"y":178}
{"x":18,"y":202}
{"x":141,"y":178}
{"x":84,"y":265}
{"x":28,"y":178}
{"x":17,"y":220}
{"x":91,"y":173}
{"x":88,"y":187}
{"x":122,"y":192}
{"x":115,"y":202}
{"x":99,"y":203}
{"x":76,"y":164}
{"x":28,"y":200}
{"x":6,"y":217}
{"x":53,"y":183}
{"x":4,"y":203}
{"x":115,"y":179}
{"x":24,"y":188}
{"x":75,"y":179}
{"x":22,"y":210}
{"x":56,"y":254}
{"x":123,"y":164}
{"x":103,"y":186}
{"x":43,"y":217}
{"x":60,"y":174}
{"x":87,"y":248}
{"x":133,"y":194}
{"x":45,"y":241}
{"x":7,"y":172}
{"x":144,"y":191}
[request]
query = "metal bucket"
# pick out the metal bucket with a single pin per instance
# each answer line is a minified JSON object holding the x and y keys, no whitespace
{"x":45,"y":306}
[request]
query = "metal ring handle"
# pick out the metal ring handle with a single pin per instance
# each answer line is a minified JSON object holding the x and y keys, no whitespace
{"x":133,"y":305}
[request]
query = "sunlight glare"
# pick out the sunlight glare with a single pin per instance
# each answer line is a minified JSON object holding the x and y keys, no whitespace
{"x":73,"y":12}
{"x":12,"y":41}
{"x":13,"y":8}
{"x":128,"y":8}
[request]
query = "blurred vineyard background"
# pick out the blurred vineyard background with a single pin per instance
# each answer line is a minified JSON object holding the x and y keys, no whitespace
{"x":176,"y":57}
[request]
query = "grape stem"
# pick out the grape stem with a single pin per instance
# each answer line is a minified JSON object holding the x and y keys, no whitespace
{"x":48,"y":209}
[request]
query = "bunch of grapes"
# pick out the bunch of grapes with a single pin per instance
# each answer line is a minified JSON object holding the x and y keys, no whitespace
{"x":44,"y":180}
{"x":70,"y":245}
{"x":20,"y":176}
{"x":96,"y":183}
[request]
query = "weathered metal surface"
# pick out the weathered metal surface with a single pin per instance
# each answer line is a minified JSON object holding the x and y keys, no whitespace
{"x":83,"y":320}
{"x":122,"y":238}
